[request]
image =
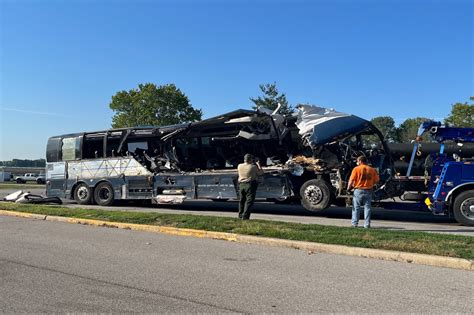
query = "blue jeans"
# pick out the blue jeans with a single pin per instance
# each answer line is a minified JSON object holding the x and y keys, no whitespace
{"x":362,"y":197}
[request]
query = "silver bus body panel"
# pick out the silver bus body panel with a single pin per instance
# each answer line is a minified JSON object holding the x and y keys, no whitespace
{"x":106,"y":168}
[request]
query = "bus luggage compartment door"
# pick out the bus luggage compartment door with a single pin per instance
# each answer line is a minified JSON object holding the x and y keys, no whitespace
{"x":56,"y":179}
{"x":216,"y":187}
{"x":274,"y":186}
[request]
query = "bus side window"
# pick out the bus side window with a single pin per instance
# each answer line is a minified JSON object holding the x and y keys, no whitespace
{"x":70,"y":149}
{"x":53,"y":149}
{"x":112,"y":147}
{"x":93,"y":148}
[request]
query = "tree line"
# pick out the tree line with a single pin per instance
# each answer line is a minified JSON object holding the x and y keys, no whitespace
{"x":152,"y":105}
{"x":23,"y":163}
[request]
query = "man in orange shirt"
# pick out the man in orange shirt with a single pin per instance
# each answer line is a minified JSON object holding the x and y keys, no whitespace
{"x":363,"y":178}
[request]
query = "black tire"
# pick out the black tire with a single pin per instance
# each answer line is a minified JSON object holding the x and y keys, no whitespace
{"x":19,"y":181}
{"x":315,"y":195}
{"x":83,"y":194}
{"x":104,"y":194}
{"x":463,"y":208}
{"x":39,"y":181}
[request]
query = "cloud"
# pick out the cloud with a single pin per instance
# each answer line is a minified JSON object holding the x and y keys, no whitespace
{"x":33,"y":112}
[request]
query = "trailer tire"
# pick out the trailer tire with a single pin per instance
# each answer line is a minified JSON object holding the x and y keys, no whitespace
{"x":315,"y":195}
{"x":83,"y":194}
{"x":463,"y":208}
{"x":104,"y":194}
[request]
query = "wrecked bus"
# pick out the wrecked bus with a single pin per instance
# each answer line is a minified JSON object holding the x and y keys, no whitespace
{"x":308,"y":157}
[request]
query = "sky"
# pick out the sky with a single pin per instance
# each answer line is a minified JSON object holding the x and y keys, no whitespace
{"x":61,"y":61}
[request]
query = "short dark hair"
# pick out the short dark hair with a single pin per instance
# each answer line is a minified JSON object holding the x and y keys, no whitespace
{"x":362,"y":159}
{"x":248,"y":157}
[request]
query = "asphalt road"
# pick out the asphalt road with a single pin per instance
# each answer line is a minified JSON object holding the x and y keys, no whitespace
{"x":58,"y":267}
{"x":391,"y":219}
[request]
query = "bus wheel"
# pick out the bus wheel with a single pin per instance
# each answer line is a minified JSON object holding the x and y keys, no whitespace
{"x":315,"y":195}
{"x":464,"y":208}
{"x":83,"y":194}
{"x":104,"y":194}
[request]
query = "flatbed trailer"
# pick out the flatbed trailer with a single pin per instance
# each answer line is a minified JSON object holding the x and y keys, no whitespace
{"x":307,"y":157}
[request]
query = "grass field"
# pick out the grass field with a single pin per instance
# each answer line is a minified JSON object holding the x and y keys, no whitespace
{"x":13,"y":185}
{"x":415,"y":242}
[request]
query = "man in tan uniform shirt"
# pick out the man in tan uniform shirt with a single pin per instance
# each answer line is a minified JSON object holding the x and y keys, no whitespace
{"x":248,"y":173}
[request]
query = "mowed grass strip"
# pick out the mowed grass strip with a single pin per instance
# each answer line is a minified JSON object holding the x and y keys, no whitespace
{"x":13,"y":185}
{"x":414,"y":242}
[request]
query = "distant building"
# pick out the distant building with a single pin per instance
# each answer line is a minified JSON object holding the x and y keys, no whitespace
{"x":4,"y":176}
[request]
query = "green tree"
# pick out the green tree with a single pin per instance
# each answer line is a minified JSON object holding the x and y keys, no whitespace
{"x":270,"y":99}
{"x":24,"y":163}
{"x":152,"y":105}
{"x":408,"y":129}
{"x":387,"y":127}
{"x":462,"y":115}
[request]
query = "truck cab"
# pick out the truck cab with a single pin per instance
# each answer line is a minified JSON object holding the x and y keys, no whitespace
{"x":454,"y":192}
{"x":451,"y":184}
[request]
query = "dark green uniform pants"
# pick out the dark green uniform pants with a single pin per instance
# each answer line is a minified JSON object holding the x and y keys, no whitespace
{"x":247,"y":197}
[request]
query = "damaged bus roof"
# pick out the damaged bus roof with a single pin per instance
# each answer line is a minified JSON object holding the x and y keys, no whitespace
{"x":319,"y":125}
{"x":316,"y":125}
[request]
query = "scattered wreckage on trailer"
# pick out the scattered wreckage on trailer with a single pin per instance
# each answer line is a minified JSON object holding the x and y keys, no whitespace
{"x":307,"y":156}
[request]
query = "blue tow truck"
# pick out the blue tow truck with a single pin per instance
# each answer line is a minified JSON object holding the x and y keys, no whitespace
{"x":450,"y":189}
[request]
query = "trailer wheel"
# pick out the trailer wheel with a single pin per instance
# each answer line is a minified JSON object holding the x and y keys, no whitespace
{"x":104,"y":194}
{"x":83,"y":194}
{"x":315,"y":195}
{"x":464,"y":208}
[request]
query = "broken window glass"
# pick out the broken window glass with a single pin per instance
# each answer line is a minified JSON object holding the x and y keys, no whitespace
{"x":69,"y":148}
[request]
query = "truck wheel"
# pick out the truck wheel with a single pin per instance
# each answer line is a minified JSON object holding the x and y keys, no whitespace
{"x":39,"y":181}
{"x":315,"y":195}
{"x":464,"y":208}
{"x":104,"y":194}
{"x":83,"y":194}
{"x":19,"y":181}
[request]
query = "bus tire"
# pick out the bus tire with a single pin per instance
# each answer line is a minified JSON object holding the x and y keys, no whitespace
{"x":315,"y":195}
{"x":104,"y":194}
{"x":462,"y":208}
{"x":83,"y":194}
